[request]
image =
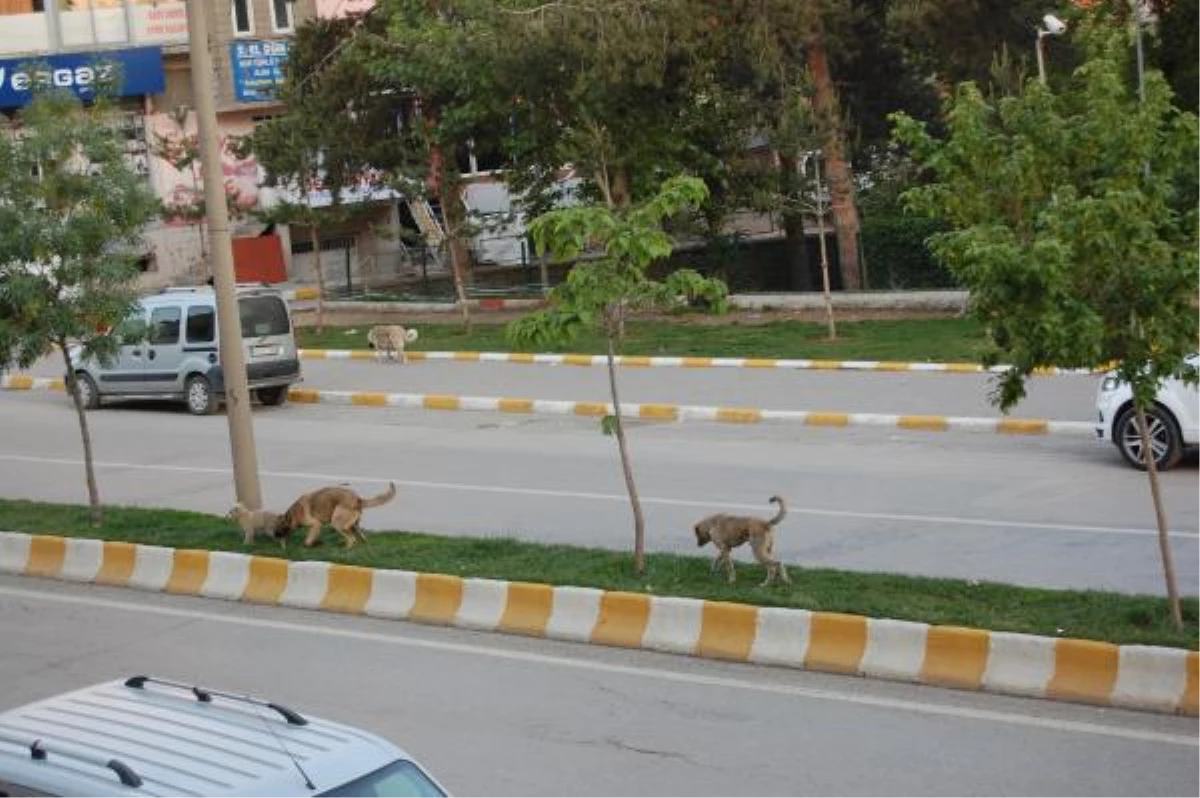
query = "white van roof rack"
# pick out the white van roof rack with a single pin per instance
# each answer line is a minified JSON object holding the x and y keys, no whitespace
{"x":205,"y":696}
{"x":41,"y":750}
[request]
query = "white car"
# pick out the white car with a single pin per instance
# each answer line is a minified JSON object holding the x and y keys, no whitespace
{"x":147,"y":736}
{"x":1174,"y":420}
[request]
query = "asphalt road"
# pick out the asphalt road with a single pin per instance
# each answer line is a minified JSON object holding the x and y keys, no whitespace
{"x":1056,"y":512}
{"x":1060,"y":398}
{"x":496,"y":715}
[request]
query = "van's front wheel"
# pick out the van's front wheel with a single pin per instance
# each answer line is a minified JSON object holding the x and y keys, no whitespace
{"x":201,"y":401}
{"x":273,"y":396}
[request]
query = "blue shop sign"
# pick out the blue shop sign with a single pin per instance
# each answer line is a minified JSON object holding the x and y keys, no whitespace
{"x":258,"y":69}
{"x":131,"y":72}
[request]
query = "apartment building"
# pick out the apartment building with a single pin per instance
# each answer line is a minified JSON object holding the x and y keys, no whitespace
{"x":148,"y":41}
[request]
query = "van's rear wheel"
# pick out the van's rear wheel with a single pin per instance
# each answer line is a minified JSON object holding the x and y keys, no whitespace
{"x":201,"y":401}
{"x":273,"y":396}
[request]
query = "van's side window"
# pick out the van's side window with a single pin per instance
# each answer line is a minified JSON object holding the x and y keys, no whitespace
{"x":201,"y":324}
{"x":164,"y":325}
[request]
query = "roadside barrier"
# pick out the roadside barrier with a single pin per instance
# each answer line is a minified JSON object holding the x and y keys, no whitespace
{"x":680,"y":413}
{"x":1150,"y":678}
{"x":640,"y":361}
{"x":647,"y":411}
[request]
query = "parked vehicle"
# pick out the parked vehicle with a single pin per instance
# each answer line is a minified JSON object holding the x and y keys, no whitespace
{"x":148,"y":736}
{"x":1174,"y":420}
{"x":170,"y":350}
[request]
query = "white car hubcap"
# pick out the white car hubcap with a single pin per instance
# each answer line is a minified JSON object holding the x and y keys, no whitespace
{"x":1159,"y":440}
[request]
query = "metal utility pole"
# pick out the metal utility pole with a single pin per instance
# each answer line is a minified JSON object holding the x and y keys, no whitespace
{"x":233,"y":360}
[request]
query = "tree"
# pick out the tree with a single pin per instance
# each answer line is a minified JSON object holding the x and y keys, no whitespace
{"x":69,"y":199}
{"x":1174,"y":49}
{"x":601,"y":292}
{"x":1074,"y":226}
{"x":337,"y":135}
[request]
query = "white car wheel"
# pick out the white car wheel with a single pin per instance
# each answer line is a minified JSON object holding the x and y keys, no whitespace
{"x":1165,"y":441}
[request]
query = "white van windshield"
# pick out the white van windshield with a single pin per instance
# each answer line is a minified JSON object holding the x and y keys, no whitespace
{"x":400,"y":778}
{"x":263,"y":315}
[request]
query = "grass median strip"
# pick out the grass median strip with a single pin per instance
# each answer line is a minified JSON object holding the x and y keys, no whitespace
{"x":1090,"y":615}
{"x":919,"y":340}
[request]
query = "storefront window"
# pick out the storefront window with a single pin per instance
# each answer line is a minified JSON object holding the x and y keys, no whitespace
{"x":25,"y":27}
{"x":88,"y":22}
{"x":158,"y":21}
{"x":13,"y":7}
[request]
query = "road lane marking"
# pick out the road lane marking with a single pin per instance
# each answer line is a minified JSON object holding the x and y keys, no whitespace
{"x":617,"y":497}
{"x":585,"y":663}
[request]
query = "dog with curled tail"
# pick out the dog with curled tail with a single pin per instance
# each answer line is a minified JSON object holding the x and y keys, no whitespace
{"x":727,"y":532}
{"x":390,"y":339}
{"x":338,"y":506}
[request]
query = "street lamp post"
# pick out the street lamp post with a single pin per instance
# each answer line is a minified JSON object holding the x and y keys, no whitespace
{"x":233,"y":361}
{"x":1053,"y":27}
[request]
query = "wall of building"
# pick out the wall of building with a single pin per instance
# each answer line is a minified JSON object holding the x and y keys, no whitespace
{"x":246,"y":64}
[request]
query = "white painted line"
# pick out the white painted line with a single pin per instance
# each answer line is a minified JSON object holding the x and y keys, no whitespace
{"x":618,"y":497}
{"x":586,"y":663}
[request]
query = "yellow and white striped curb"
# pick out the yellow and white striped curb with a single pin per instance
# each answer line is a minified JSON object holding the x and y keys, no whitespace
{"x":640,"y":361}
{"x":670,"y":412}
{"x":1141,"y":677}
{"x":651,"y":411}
{"x":24,"y":382}
{"x":302,"y":294}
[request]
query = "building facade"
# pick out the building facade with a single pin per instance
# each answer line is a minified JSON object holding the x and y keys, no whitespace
{"x":147,"y":43}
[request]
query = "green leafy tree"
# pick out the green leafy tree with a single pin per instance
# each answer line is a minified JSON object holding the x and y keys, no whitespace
{"x":69,"y":199}
{"x":602,"y":291}
{"x":1174,"y":48}
{"x":1073,"y":222}
{"x":338,"y":133}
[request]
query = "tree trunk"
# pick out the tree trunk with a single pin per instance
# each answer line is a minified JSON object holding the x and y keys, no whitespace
{"x":824,"y":254}
{"x":841,"y":176}
{"x":315,"y":237}
{"x":455,"y":246}
{"x":639,"y":521}
{"x":88,"y":466}
{"x":795,"y":242}
{"x":1164,"y":540}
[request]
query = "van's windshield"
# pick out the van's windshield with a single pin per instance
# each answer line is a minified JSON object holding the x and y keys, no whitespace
{"x":263,"y":315}
{"x":400,"y":778}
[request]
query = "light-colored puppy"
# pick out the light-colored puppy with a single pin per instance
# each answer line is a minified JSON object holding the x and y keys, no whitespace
{"x":727,"y":532}
{"x":339,"y":507}
{"x":254,"y":521}
{"x":390,"y":339}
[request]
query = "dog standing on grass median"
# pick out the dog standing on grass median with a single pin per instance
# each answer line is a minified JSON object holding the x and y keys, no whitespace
{"x":339,"y":507}
{"x":727,"y":532}
{"x":390,"y":340}
{"x":254,"y":521}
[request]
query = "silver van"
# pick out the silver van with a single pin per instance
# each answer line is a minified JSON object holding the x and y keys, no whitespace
{"x":149,"y":736}
{"x":170,"y":350}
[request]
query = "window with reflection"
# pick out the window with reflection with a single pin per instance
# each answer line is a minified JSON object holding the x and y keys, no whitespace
{"x":14,"y":7}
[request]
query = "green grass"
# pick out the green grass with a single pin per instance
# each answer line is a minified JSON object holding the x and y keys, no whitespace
{"x":1090,"y":615}
{"x":928,"y":340}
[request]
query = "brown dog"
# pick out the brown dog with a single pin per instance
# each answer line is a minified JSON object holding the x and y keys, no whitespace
{"x":339,"y":507}
{"x":254,"y":521}
{"x":390,"y":340}
{"x":727,"y":532}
